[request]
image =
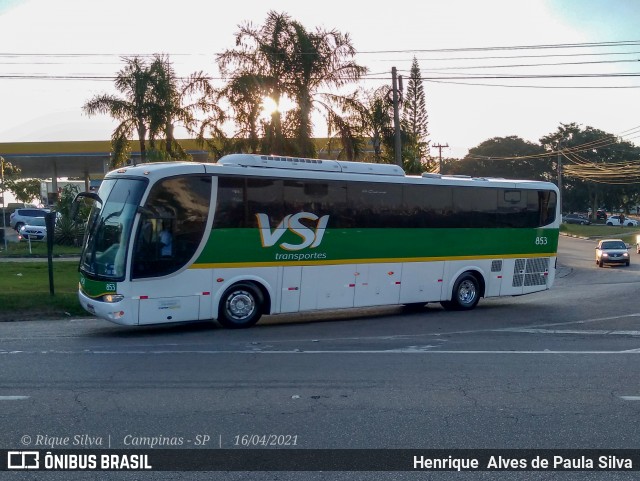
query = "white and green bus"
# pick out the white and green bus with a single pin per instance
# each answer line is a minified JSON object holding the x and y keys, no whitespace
{"x":253,"y":235}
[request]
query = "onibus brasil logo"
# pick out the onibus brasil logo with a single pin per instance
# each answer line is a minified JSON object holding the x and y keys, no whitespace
{"x":309,"y":237}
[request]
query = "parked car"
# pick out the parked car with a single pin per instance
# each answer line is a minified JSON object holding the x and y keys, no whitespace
{"x":601,"y":214}
{"x":21,"y":217}
{"x":35,"y":230}
{"x":612,"y":251}
{"x":615,"y":220}
{"x":576,"y":219}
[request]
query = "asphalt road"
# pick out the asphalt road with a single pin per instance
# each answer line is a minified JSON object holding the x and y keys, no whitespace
{"x":552,"y":370}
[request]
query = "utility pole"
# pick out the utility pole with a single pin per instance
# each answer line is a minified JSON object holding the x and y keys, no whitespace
{"x":560,"y":176}
{"x":440,"y":147}
{"x":396,"y":115}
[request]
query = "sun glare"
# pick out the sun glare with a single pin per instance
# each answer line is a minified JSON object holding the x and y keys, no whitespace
{"x":269,"y":106}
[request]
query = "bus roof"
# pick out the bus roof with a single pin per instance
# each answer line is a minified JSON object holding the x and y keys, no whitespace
{"x":297,"y":167}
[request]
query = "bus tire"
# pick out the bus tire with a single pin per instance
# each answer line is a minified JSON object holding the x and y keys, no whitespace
{"x":465,"y":294}
{"x":240,"y":306}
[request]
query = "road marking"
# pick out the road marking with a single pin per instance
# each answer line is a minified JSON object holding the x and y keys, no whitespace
{"x":13,"y":398}
{"x":406,"y":350}
{"x":568,"y":331}
{"x":630,"y":398}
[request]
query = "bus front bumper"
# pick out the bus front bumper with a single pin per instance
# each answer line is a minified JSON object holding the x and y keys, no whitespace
{"x":124,"y":311}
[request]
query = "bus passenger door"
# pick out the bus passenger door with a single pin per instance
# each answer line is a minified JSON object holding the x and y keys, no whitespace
{"x":421,"y":282}
{"x":290,"y":289}
{"x":327,"y":287}
{"x":377,"y":284}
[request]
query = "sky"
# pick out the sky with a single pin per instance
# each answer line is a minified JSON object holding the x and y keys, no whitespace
{"x":455,"y":42}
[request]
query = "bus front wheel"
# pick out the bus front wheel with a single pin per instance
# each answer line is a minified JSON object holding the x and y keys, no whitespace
{"x":240,"y":306}
{"x":465,"y":295}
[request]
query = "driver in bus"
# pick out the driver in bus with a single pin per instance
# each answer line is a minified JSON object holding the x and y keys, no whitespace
{"x":166,"y":240}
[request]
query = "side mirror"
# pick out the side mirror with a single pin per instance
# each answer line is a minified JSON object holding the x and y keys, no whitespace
{"x":75,"y":207}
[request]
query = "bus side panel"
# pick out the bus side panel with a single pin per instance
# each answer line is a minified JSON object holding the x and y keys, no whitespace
{"x":327,"y":287}
{"x":185,"y":296}
{"x":513,"y":272}
{"x":494,"y":275}
{"x":169,"y":309}
{"x":421,"y":282}
{"x":290,"y":289}
{"x":377,"y":284}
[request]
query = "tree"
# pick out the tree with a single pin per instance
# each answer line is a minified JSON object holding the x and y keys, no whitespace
{"x":67,"y":230}
{"x":598,"y":168}
{"x":415,"y":124}
{"x":378,"y":124}
{"x":322,"y":59}
{"x":133,"y":110}
{"x":282,"y":58}
{"x":509,"y":157}
{"x":260,"y":58}
{"x":175,"y":101}
{"x":24,"y":190}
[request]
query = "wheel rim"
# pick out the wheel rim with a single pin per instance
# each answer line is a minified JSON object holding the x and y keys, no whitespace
{"x":467,"y":292}
{"x":240,"y":305}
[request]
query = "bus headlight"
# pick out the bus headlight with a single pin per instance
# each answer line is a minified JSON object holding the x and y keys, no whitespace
{"x":112,"y":298}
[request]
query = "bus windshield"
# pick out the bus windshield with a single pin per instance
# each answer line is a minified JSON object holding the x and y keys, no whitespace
{"x":105,"y":251}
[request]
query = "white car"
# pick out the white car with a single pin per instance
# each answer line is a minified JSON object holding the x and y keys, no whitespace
{"x":615,"y":220}
{"x":35,"y":230}
{"x":612,"y":251}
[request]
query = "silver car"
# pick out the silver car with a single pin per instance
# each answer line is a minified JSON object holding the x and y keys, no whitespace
{"x":24,"y":216}
{"x":35,"y":230}
{"x":612,"y":251}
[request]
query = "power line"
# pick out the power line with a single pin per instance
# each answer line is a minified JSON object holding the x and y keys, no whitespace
{"x":515,"y":47}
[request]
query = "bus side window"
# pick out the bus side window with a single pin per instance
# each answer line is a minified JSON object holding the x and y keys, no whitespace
{"x":179,"y":207}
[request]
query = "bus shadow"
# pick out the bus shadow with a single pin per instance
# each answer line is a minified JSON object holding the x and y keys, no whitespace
{"x":413,"y":313}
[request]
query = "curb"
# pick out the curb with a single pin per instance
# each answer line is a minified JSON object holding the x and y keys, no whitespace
{"x":577,"y":236}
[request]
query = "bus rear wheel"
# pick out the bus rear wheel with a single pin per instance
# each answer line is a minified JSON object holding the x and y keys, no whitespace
{"x":240,"y":306}
{"x":465,"y":295}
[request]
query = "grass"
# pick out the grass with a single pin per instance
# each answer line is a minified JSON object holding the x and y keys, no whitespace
{"x":24,"y":291}
{"x":627,"y":234}
{"x":38,"y":249}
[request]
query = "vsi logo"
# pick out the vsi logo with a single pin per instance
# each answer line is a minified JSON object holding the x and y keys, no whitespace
{"x":310,"y":238}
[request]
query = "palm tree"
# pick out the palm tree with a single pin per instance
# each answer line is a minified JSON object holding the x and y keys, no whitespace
{"x":246,"y":102}
{"x":175,"y":100}
{"x":379,"y":124}
{"x":133,"y":111}
{"x":320,"y":59}
{"x":283,"y":58}
{"x":261,"y":59}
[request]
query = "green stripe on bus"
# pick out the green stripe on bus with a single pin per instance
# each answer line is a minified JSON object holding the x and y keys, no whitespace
{"x":97,"y":289}
{"x":243,"y":247}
